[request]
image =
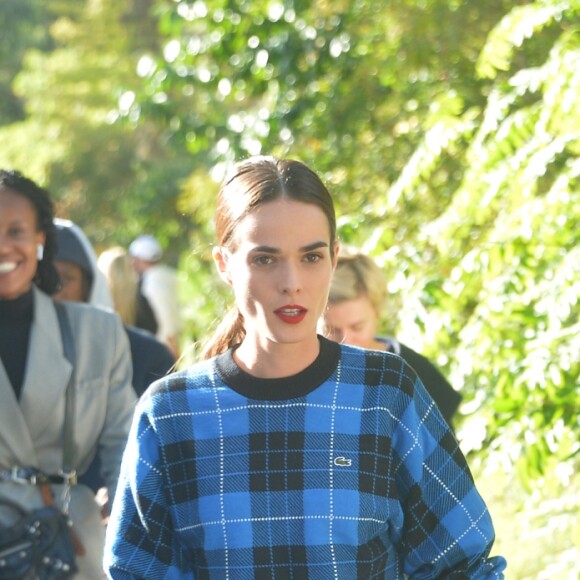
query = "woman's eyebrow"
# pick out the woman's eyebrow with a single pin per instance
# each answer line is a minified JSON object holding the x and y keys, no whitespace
{"x":266,"y":249}
{"x":307,"y":248}
{"x":314,"y":246}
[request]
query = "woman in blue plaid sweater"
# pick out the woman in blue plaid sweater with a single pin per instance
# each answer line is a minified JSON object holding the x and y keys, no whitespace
{"x":283,"y":454}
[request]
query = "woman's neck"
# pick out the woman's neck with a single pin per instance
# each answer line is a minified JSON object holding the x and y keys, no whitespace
{"x":16,"y":308}
{"x":273,"y":359}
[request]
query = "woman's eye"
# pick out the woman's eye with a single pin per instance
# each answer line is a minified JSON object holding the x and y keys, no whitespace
{"x":312,"y":257}
{"x":17,"y":232}
{"x":262,"y":260}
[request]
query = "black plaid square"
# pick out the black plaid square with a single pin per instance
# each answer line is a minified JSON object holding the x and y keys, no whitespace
{"x":285,"y":556}
{"x":391,"y":371}
{"x":158,"y":543}
{"x":373,"y":464}
{"x":371,"y":559}
{"x":449,"y":444}
{"x":374,"y":369}
{"x":181,"y":468}
{"x":421,"y":520}
{"x":276,"y":461}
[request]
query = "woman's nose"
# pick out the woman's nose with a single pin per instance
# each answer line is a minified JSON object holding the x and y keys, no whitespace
{"x":291,"y":283}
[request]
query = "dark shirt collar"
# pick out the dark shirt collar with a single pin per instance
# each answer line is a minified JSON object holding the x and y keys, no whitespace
{"x":278,"y":389}
{"x":17,"y":309}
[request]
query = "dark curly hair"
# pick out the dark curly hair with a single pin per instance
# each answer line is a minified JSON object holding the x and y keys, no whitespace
{"x":46,"y":277}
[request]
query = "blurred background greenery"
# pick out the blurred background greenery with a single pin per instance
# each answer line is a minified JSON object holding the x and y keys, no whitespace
{"x":449,"y":134}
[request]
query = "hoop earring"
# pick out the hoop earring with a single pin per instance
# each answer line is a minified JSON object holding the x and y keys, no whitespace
{"x":39,"y":252}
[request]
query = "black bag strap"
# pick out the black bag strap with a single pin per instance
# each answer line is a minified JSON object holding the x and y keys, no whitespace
{"x":69,"y":412}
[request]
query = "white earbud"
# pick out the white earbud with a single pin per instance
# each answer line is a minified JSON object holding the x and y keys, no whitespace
{"x":39,"y":252}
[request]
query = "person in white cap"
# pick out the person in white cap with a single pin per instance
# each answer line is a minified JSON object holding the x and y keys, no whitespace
{"x":158,"y":309}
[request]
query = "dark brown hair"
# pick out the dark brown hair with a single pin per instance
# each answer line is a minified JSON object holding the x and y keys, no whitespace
{"x":252,"y":183}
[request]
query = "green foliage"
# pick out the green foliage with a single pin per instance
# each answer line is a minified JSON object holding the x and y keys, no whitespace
{"x":542,"y":538}
{"x":519,"y":25}
{"x":491,"y":286}
{"x":21,"y":23}
{"x":337,"y":85}
{"x":71,"y":139}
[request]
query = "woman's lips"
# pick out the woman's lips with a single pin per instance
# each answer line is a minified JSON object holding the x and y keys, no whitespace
{"x":291,"y":314}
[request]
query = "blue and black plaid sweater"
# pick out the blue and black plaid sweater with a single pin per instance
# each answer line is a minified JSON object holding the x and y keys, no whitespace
{"x":346,"y":470}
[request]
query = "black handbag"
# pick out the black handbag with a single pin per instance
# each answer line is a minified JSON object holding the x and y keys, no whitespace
{"x":41,"y":544}
{"x":37,"y":546}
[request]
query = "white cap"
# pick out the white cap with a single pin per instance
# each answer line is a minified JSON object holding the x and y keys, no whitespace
{"x":146,"y":248}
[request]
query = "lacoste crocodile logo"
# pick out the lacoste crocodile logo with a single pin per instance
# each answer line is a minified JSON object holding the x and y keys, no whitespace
{"x":342,"y":462}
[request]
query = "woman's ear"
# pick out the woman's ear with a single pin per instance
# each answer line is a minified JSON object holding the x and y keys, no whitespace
{"x":220,"y":259}
{"x":40,"y":241}
{"x":335,"y":252}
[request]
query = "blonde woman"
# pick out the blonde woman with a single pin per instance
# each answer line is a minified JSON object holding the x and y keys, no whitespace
{"x":356,"y":303}
{"x":151,"y":358}
{"x":115,"y":264}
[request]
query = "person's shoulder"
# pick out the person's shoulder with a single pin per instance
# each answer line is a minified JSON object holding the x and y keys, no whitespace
{"x":101,"y":325}
{"x":199,"y":376}
{"x":143,"y":338}
{"x":158,"y":277}
{"x":376,"y":368}
{"x":410,"y":356}
{"x":406,"y":350}
{"x":358,"y":352}
{"x":83,"y":310}
{"x":146,"y":346}
{"x":418,"y":361}
{"x":364,"y":358}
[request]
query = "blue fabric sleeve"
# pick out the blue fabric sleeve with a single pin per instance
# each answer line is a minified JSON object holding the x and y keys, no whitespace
{"x":141,"y":541}
{"x":448,"y":532}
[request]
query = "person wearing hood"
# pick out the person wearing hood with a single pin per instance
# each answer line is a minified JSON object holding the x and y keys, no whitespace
{"x":80,"y":279}
{"x":83,"y":281}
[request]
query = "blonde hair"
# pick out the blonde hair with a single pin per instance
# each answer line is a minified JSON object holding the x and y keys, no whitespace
{"x":358,"y":275}
{"x":115,"y":264}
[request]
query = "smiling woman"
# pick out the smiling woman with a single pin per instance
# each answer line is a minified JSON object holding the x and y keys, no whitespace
{"x":22,"y":247}
{"x":36,"y":376}
{"x":284,"y":454}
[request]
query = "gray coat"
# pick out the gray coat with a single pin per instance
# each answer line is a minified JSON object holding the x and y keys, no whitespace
{"x":31,"y":430}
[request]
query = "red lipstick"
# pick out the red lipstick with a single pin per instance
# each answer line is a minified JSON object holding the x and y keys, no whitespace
{"x":291,"y":313}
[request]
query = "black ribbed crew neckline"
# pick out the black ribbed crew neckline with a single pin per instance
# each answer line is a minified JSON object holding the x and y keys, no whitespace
{"x":292,"y":387}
